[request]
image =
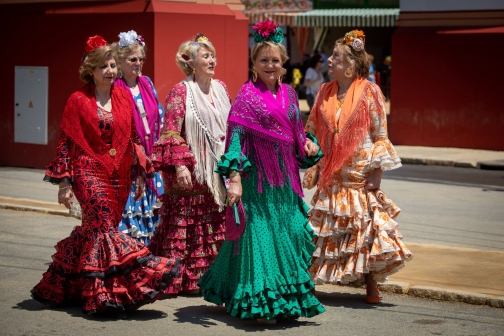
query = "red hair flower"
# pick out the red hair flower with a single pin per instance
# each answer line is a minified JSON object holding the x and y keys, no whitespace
{"x":95,"y":42}
{"x":265,"y":28}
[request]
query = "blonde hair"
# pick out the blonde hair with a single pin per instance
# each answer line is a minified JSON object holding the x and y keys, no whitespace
{"x":191,"y":49}
{"x":276,"y":46}
{"x":94,"y":59}
{"x":359,"y":59}
{"x":125,"y":51}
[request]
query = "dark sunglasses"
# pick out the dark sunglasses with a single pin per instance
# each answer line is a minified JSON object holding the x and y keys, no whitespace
{"x":135,"y":59}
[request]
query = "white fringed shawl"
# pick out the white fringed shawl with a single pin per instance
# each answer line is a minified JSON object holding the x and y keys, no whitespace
{"x":205,"y":126}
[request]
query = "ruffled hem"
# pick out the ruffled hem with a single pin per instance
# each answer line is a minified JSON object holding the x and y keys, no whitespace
{"x":58,"y":179}
{"x":113,"y":273}
{"x":283,"y":299}
{"x":233,"y":161}
{"x":169,"y":151}
{"x":384,"y":156}
{"x":191,"y":229}
{"x":140,"y":218}
{"x":356,"y":235}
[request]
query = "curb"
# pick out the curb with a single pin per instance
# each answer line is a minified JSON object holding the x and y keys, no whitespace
{"x":442,"y":294}
{"x":446,"y":163}
{"x":484,"y":165}
{"x":34,"y":209}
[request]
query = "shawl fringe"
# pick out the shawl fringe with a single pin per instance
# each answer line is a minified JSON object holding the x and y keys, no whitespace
{"x":344,"y":143}
{"x":80,"y":124}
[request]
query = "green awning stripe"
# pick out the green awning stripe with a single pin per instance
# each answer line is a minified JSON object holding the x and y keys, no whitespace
{"x":365,"y":17}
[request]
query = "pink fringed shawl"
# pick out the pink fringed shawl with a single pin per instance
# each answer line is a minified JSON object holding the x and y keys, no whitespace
{"x":269,"y":136}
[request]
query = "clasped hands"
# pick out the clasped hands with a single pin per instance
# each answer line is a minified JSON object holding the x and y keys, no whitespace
{"x":311,"y":148}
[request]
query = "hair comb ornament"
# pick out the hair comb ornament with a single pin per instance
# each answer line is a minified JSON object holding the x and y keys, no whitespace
{"x":355,"y":39}
{"x":200,"y":38}
{"x":267,"y":31}
{"x":185,"y":57}
{"x":129,"y":38}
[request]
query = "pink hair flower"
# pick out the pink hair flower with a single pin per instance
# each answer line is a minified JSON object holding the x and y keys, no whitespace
{"x":265,"y":28}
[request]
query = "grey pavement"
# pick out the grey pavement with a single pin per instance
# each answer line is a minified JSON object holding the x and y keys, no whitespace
{"x":27,"y":243}
{"x":455,"y":232}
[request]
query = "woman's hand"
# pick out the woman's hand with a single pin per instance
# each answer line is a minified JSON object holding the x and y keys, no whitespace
{"x":311,"y":148}
{"x":374,"y":180}
{"x":65,"y":193}
{"x":235,"y":190}
{"x":184,"y":178}
{"x":139,"y":187}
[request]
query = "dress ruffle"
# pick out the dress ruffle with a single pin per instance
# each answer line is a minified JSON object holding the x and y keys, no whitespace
{"x":285,"y":290}
{"x":171,"y":150}
{"x":285,"y":300}
{"x":191,"y":229}
{"x":384,"y":156}
{"x":356,"y":234}
{"x":140,"y":218}
{"x":233,"y":161}
{"x":108,"y":271}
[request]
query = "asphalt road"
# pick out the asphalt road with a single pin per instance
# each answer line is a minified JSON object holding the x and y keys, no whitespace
{"x":456,"y":207}
{"x":490,"y":179}
{"x":26,"y":245}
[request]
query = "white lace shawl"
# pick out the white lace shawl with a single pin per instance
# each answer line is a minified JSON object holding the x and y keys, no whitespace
{"x":206,"y":133}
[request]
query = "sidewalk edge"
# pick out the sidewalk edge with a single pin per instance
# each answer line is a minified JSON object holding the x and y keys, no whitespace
{"x":442,"y":294}
{"x":34,"y":209}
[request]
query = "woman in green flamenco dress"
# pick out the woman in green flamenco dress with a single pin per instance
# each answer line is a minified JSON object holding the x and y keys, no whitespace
{"x":264,"y":274}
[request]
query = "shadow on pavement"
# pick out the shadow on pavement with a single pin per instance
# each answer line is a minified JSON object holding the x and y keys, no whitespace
{"x":207,"y":316}
{"x":75,"y":310}
{"x":349,"y":300}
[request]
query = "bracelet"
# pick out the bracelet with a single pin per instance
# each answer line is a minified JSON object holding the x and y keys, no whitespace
{"x":234,"y":173}
{"x":68,"y":186}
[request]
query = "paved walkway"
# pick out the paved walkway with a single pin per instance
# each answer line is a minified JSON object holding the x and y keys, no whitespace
{"x":436,"y":272}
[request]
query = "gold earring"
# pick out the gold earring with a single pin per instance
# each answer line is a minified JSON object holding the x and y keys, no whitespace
{"x":194,"y":71}
{"x":348,"y":72}
{"x":254,"y":75}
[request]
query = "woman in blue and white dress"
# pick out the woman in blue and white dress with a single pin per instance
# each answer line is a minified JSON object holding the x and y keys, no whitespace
{"x":140,"y":217}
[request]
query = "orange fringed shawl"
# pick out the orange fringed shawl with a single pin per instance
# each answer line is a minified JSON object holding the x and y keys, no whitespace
{"x":339,"y":138}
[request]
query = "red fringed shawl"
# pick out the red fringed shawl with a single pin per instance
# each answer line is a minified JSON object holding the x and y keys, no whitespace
{"x":339,"y":139}
{"x":80,"y":123}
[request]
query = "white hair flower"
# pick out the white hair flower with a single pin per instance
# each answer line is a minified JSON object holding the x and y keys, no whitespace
{"x":127,"y":39}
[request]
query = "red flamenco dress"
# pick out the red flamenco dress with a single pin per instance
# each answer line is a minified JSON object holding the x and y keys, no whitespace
{"x":191,"y":227}
{"x":97,"y":265}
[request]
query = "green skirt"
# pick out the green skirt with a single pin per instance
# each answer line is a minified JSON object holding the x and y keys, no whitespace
{"x":269,"y":276}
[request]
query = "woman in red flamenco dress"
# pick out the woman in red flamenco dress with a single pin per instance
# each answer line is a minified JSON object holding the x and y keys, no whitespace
{"x":104,"y":269}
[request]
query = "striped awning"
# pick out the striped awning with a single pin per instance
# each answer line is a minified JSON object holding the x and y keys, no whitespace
{"x":352,"y":17}
{"x":282,"y":19}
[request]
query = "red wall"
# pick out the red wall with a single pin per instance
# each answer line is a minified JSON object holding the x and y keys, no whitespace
{"x":54,"y":35}
{"x":446,"y":89}
{"x":228,"y":34}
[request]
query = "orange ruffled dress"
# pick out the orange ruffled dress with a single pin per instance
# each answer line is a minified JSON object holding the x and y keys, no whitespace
{"x":356,"y":228}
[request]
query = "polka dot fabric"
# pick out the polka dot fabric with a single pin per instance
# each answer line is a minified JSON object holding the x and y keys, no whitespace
{"x":269,"y":275}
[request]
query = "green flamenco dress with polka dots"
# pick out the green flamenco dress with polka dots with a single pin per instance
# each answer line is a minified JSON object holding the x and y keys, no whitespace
{"x":268,"y":277}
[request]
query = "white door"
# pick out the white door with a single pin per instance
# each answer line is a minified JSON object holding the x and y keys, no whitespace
{"x":30,"y":104}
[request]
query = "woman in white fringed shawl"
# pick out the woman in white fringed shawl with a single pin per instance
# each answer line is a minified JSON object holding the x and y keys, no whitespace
{"x":192,"y":224}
